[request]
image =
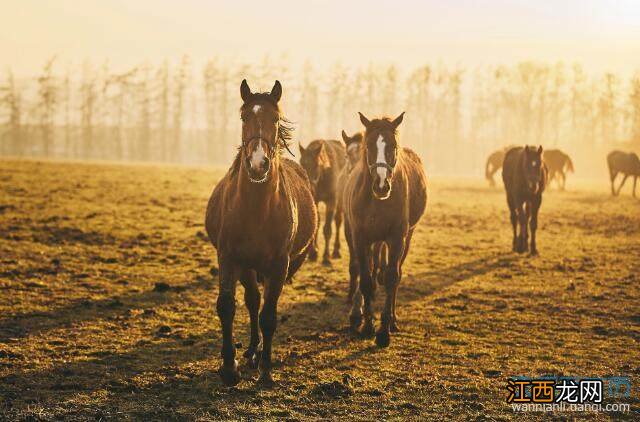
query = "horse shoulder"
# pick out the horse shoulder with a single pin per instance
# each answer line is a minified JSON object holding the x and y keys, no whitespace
{"x":213,"y":215}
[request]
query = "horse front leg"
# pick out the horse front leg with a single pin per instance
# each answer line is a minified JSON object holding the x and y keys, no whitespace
{"x":635,"y":179}
{"x":367,"y":288}
{"x":523,"y":218}
{"x":226,"y":308}
{"x":252,"y":302}
{"x":624,"y":179}
{"x":269,"y":320}
{"x":534,"y":222}
{"x":326,"y":230}
{"x":391,"y":283}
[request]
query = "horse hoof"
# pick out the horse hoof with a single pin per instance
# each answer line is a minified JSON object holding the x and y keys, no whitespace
{"x":326,"y":261}
{"x":313,"y":256}
{"x":383,"y":339}
{"x":394,"y":327}
{"x":534,"y":252}
{"x":336,"y":254}
{"x":354,"y":322}
{"x":252,"y":359}
{"x":368,"y":330}
{"x":265,"y":380}
{"x":229,"y":376}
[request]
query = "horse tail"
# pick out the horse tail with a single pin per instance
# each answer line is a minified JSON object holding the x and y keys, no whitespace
{"x":569,"y":164}
{"x":487,"y":174}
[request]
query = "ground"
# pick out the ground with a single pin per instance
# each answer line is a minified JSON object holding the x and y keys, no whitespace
{"x":108,"y":289}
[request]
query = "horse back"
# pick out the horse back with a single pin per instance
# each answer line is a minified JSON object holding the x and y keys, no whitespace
{"x":627,"y":163}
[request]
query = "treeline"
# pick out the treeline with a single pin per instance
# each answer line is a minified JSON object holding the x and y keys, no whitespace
{"x":177,"y":112}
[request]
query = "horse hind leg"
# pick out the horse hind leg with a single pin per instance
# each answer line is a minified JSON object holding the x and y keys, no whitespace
{"x":249,"y":281}
{"x":514,"y":223}
{"x":313,"y":249}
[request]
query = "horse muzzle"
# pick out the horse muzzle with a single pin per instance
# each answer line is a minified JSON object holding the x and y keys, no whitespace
{"x":381,"y":186}
{"x":258,"y":172}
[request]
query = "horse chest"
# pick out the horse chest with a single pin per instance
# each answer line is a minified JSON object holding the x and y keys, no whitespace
{"x":255,"y":242}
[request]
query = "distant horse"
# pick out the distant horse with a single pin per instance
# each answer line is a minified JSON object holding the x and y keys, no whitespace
{"x":559,"y":163}
{"x":323,"y":161}
{"x":494,"y":163}
{"x":625,"y":163}
{"x":384,"y":198}
{"x":525,"y":176}
{"x":261,"y":218}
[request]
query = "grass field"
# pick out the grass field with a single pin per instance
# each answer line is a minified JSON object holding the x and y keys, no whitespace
{"x":107,"y":305}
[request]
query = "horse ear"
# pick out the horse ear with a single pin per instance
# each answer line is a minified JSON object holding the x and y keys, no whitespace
{"x":396,"y":122}
{"x":318,"y":152}
{"x":276,"y":91}
{"x":345,"y":138}
{"x":245,"y":91}
{"x":540,"y":149}
{"x":301,"y":147}
{"x":366,"y":122}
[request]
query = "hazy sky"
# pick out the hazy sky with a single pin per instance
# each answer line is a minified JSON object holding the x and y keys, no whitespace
{"x":603,"y":35}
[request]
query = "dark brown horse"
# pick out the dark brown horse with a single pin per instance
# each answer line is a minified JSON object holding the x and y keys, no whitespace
{"x":558,"y":163}
{"x":625,"y":163}
{"x":384,"y":198}
{"x":525,"y":177}
{"x":261,"y":219}
{"x":323,"y":161}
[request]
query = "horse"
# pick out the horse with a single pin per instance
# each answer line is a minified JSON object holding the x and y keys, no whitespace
{"x":379,"y":250}
{"x":323,"y":161}
{"x":625,"y":163}
{"x":559,"y":163}
{"x":494,"y":163}
{"x":261,"y":219}
{"x":385,"y":196}
{"x":524,"y":175}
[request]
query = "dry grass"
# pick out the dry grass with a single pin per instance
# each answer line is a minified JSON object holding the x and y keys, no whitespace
{"x":84,"y":331}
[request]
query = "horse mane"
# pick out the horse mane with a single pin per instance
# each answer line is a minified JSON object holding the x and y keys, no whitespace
{"x":285,"y":128}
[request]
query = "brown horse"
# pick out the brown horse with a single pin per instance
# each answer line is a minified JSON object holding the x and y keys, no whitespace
{"x":261,"y":219}
{"x":494,"y":163}
{"x":384,"y":198}
{"x":625,"y":163}
{"x":558,"y":163}
{"x":525,"y":177}
{"x":323,"y":161}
